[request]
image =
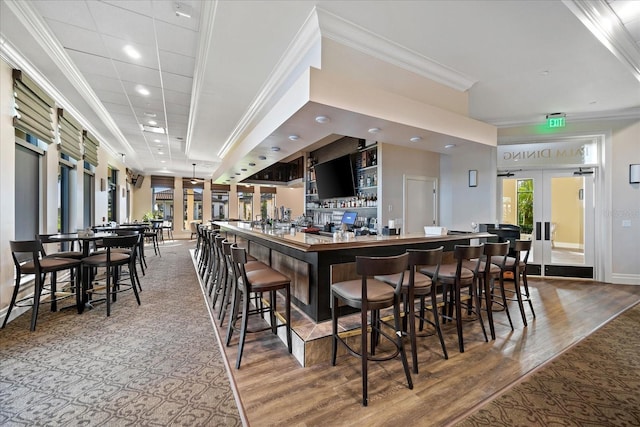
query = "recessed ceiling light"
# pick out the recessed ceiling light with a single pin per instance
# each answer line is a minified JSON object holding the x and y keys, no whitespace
{"x":262,"y":157}
{"x":143,"y":91}
{"x":374,"y":130}
{"x":275,"y":148}
{"x":156,"y":140}
{"x":415,"y":139}
{"x":243,"y":169}
{"x":163,"y":161}
{"x":322,"y":119}
{"x":449,"y":145}
{"x":179,"y":138}
{"x":131,"y":52}
{"x":294,"y":137}
{"x":237,"y":173}
{"x":148,"y":114}
{"x":160,"y":152}
{"x":152,"y":122}
{"x":252,"y":164}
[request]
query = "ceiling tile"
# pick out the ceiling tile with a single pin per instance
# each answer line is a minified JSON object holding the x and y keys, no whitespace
{"x":78,"y":39}
{"x":176,"y":39}
{"x":132,"y":74}
{"x":72,"y":12}
{"x":93,"y":64}
{"x":114,"y":21}
{"x":177,"y":83}
{"x":176,"y":63}
{"x":148,"y":56}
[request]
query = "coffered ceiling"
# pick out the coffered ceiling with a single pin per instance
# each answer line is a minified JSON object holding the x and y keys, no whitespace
{"x":226,"y":81}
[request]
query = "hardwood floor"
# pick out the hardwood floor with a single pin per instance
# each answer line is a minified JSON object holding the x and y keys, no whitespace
{"x":275,"y":390}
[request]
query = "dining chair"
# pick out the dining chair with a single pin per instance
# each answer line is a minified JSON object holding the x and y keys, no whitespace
{"x":29,"y":259}
{"x":112,"y":260}
{"x":371,"y":295}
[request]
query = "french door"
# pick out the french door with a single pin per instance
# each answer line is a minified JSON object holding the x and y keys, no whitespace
{"x":555,"y":208}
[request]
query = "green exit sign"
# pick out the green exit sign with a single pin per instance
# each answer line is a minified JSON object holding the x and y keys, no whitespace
{"x":556,"y":122}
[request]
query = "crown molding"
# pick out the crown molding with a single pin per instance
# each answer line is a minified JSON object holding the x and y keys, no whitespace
{"x":623,"y":114}
{"x":356,"y":37}
{"x":207,"y":24}
{"x":41,"y":33}
{"x":603,"y":22}
{"x":302,"y":53}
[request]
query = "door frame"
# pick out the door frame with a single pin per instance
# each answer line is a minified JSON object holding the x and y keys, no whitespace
{"x":405,"y":197}
{"x":602,"y":192}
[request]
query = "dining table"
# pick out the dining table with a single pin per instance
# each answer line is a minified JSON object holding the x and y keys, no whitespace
{"x":85,"y":239}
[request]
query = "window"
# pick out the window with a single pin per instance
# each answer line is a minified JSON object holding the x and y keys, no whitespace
{"x":162,"y":196}
{"x":245,"y":203}
{"x":64,"y":196}
{"x":268,"y":207}
{"x":163,"y":203}
{"x":525,"y":205}
{"x":112,"y":207}
{"x":220,"y":201}
{"x":27,"y":203}
{"x":192,"y":205}
{"x":89,"y":200}
{"x":219,"y":205}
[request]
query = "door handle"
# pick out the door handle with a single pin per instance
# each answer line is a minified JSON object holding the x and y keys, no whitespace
{"x":547,"y":230}
{"x":538,"y":231}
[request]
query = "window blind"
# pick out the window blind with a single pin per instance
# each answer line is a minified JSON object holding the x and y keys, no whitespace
{"x":70,"y":134}
{"x":186,"y":183}
{"x":90,"y":146}
{"x":220,"y":187}
{"x":162,"y":181}
{"x":33,"y":108}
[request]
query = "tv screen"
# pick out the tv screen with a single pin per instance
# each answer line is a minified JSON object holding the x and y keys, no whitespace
{"x":335,"y":178}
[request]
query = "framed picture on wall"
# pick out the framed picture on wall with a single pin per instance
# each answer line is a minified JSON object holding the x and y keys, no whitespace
{"x":473,"y":178}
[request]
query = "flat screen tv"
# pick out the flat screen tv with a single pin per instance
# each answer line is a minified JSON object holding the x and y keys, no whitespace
{"x":334,"y":179}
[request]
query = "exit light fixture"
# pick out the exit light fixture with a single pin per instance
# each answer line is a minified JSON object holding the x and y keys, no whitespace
{"x":556,"y":120}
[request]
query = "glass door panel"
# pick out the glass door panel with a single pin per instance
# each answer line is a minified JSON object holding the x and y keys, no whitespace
{"x":555,"y":209}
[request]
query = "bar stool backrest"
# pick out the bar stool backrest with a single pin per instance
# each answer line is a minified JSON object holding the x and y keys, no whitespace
{"x":382,"y":266}
{"x":420,"y":257}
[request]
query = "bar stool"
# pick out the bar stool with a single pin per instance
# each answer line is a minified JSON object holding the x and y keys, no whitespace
{"x":487,"y":273}
{"x":414,"y":285}
{"x":453,"y":277}
{"x":518,"y":267}
{"x":370,"y":294}
{"x":221,"y":272}
{"x":28,"y":259}
{"x":261,"y":279}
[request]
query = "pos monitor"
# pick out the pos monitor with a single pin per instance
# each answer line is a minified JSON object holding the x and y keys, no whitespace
{"x":349,"y":219}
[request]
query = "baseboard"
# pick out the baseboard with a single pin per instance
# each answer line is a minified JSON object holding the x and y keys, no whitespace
{"x":626,"y":279}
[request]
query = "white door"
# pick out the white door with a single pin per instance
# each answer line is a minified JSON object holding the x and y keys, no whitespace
{"x":420,"y":204}
{"x":555,"y":208}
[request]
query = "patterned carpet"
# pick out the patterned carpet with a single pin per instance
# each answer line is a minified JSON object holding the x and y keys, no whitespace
{"x":157,"y":364}
{"x":595,"y":383}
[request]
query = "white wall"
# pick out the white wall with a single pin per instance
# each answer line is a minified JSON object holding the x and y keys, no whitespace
{"x":396,"y":162}
{"x":7,"y":186}
{"x":460,"y":205}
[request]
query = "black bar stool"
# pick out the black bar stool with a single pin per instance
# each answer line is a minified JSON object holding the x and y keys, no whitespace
{"x":370,"y":294}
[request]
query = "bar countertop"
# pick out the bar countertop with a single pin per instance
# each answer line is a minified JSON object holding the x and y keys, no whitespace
{"x":308,"y":242}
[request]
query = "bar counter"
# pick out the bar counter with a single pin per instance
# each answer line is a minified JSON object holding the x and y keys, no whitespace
{"x":314,"y":261}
